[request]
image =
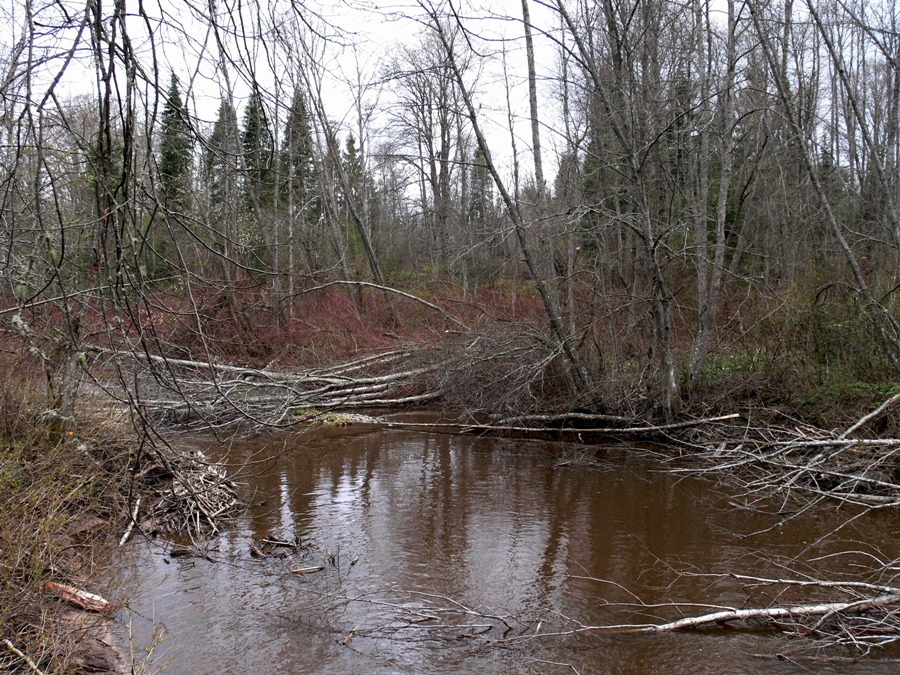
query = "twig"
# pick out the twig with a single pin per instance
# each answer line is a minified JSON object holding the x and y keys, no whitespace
{"x":885,"y":590}
{"x":130,"y":529}
{"x":872,"y":415}
{"x":307,"y":570}
{"x":22,"y":655}
{"x":440,"y":311}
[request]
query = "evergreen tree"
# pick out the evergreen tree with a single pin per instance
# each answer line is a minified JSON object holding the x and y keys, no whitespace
{"x":481,"y":189}
{"x":175,"y":151}
{"x":222,"y":155}
{"x":352,"y":160}
{"x":222,"y":175}
{"x":298,"y":168}
{"x":258,"y":145}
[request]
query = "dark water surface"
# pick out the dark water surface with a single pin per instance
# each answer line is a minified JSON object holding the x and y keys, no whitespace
{"x":448,"y":554}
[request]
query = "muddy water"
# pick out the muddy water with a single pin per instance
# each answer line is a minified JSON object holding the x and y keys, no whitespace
{"x":449,"y":554}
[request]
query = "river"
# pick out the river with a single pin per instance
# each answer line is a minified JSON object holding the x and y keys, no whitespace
{"x":455,"y":554}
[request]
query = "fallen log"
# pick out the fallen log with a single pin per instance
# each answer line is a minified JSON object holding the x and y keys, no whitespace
{"x":634,"y":430}
{"x":825,"y":610}
{"x":383,"y":357}
{"x":530,"y":420}
{"x":89,"y":602}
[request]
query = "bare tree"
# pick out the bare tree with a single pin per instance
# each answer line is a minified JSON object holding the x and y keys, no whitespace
{"x":532,"y":260}
{"x":885,"y":324}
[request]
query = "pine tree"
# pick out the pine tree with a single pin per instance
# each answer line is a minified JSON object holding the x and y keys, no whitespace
{"x":175,"y":151}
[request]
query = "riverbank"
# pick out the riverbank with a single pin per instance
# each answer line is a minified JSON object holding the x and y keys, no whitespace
{"x":64,"y":494}
{"x":70,"y":489}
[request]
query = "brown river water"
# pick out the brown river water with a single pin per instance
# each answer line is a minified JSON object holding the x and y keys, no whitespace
{"x":455,"y":554}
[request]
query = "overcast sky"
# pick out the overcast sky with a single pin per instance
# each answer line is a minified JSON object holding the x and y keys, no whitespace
{"x":357,"y":41}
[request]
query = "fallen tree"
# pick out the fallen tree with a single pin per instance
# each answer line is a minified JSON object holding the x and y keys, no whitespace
{"x":867,"y":618}
{"x":209,"y":395}
{"x":801,"y":463}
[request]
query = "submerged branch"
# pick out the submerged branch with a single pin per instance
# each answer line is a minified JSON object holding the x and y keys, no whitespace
{"x":793,"y":612}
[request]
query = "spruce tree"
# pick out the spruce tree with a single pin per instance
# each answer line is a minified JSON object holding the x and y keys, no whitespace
{"x":258,"y":145}
{"x":175,"y":151}
{"x":297,"y":155}
{"x":222,"y":159}
{"x":353,"y":168}
{"x":300,"y":199}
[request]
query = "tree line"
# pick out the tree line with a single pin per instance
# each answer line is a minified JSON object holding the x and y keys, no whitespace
{"x":709,"y":161}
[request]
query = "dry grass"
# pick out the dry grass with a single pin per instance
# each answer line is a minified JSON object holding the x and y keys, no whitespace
{"x":60,"y":501}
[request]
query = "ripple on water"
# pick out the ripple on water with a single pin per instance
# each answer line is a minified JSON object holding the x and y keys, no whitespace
{"x":409,"y":524}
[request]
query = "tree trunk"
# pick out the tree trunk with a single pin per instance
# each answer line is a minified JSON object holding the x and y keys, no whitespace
{"x":708,"y":294}
{"x":550,"y":302}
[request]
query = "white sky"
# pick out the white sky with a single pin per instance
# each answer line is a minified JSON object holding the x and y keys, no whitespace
{"x":362,"y":37}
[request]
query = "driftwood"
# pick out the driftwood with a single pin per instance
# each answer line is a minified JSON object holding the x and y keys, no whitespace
{"x":90,"y":602}
{"x":307,"y":570}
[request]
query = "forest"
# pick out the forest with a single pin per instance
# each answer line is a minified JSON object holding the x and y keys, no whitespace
{"x":243,"y":215}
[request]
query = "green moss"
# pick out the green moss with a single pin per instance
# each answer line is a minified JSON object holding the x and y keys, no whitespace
{"x":316,"y":417}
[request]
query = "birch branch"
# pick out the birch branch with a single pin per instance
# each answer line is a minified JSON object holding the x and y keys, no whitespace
{"x":728,"y":615}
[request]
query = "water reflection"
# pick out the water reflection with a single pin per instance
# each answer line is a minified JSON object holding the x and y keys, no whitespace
{"x":408,"y":520}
